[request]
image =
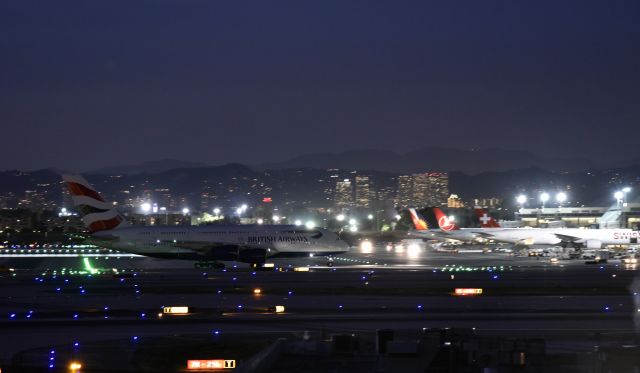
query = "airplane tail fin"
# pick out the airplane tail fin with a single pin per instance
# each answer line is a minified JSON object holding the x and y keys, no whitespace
{"x":419,"y":223}
{"x":486,"y":221}
{"x":443,"y":221}
{"x":97,"y":214}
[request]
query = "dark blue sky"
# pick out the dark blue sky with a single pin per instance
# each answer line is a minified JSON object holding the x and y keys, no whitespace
{"x":85,"y":84}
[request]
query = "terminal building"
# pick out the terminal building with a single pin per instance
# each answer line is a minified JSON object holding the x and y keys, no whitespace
{"x":624,"y":216}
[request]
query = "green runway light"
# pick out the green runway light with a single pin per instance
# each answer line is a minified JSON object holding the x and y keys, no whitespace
{"x":88,"y":267}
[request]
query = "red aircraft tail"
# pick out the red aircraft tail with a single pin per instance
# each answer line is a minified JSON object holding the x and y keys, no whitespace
{"x":486,"y":221}
{"x":443,"y":221}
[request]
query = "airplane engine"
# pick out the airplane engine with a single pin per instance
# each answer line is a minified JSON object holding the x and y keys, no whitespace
{"x":593,"y":244}
{"x":252,"y":255}
{"x":226,"y":252}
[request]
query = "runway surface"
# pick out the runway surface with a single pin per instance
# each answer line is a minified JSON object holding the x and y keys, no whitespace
{"x":570,"y":303}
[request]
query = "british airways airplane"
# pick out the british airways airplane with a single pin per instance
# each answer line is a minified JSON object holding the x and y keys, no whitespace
{"x":245,"y":243}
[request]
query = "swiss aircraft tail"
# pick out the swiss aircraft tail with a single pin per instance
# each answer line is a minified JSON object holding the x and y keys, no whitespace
{"x":97,"y":214}
{"x":486,"y":221}
{"x":443,"y":221}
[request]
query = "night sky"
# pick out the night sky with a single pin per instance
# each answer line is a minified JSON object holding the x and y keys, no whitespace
{"x":85,"y":84}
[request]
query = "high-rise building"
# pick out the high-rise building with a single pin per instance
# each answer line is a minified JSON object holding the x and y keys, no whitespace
{"x":405,"y":191}
{"x":364,"y":191}
{"x":344,"y":193}
{"x":424,"y":189}
{"x":454,"y":202}
{"x":492,"y":202}
{"x":439,"y":182}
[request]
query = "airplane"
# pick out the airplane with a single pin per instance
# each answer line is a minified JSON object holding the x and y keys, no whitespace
{"x":446,"y":230}
{"x":245,"y":243}
{"x":593,"y":239}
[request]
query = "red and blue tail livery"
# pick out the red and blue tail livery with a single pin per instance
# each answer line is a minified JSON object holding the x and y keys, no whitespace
{"x":97,"y":215}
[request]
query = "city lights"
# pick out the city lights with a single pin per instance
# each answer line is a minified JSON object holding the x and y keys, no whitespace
{"x":544,"y":197}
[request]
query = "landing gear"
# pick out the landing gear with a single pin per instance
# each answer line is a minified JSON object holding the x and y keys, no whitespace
{"x":262,"y":266}
{"x":215,"y":265}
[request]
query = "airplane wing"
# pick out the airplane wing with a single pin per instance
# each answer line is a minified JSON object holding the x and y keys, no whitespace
{"x":438,"y":235}
{"x":209,"y":245}
{"x":483,"y":234}
{"x":567,"y":238}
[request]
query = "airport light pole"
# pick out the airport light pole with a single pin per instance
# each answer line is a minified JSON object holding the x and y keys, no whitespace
{"x":521,"y":199}
{"x":619,"y":196}
{"x":561,"y":197}
{"x":544,"y":197}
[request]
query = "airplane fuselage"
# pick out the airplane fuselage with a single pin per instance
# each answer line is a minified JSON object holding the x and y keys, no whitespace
{"x":223,"y":242}
{"x":555,"y":236}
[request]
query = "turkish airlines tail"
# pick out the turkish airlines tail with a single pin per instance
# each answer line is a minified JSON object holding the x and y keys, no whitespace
{"x":443,"y":221}
{"x":486,"y":221}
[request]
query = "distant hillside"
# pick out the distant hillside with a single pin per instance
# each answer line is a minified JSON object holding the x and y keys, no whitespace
{"x":151,"y":167}
{"x":232,"y":184}
{"x":433,"y":158}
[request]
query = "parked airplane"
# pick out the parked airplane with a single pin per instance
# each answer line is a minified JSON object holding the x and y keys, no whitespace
{"x":576,"y":237}
{"x":245,"y":243}
{"x":442,"y":228}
